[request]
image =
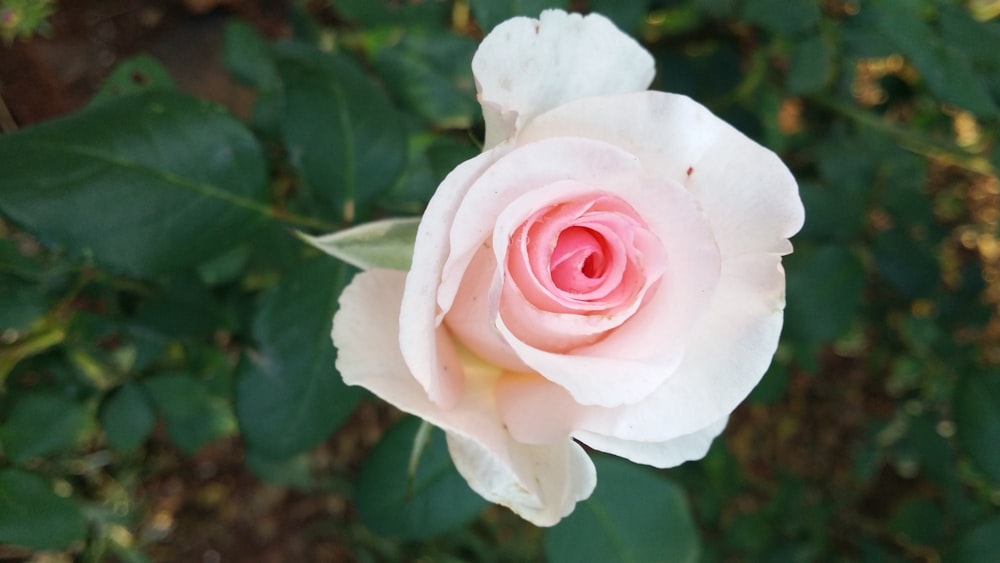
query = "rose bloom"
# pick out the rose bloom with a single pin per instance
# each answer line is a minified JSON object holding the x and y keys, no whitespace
{"x":607,"y":273}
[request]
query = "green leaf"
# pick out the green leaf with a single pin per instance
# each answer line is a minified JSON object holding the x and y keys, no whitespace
{"x":33,"y":516}
{"x":21,"y":303}
{"x":438,"y":501}
{"x":919,"y":520}
{"x":947,"y":71}
{"x":430,"y":75}
{"x":909,"y":264}
{"x":408,"y":13}
{"x":633,"y":516}
{"x":184,"y":309}
{"x":289,"y":396}
{"x":811,"y":65}
{"x":248,"y":56}
{"x":43,"y":423}
{"x":379,"y":244}
{"x":193,"y":415}
{"x":146,"y":184}
{"x":627,"y":14}
{"x":296,"y":472}
{"x":978,"y":545}
{"x":343,"y":136}
{"x":490,"y":13}
{"x":127,"y":416}
{"x":140,"y":73}
{"x":977,"y":420}
{"x":824,"y":293}
{"x":782,"y":17}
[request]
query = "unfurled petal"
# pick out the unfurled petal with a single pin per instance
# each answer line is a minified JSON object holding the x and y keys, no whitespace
{"x":542,"y":483}
{"x":525,"y":67}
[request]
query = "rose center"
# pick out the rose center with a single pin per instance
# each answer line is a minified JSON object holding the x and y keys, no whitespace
{"x":591,"y":254}
{"x":578,"y":260}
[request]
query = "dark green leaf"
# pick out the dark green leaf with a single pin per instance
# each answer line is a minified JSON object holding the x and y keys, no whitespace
{"x":183,"y":309}
{"x":409,"y":13}
{"x":289,"y":396}
{"x":811,"y":65}
{"x":33,"y":516}
{"x":193,"y":415}
{"x":919,"y":520}
{"x":977,"y":420}
{"x":343,"y":136}
{"x":439,"y":500}
{"x":248,"y":56}
{"x":296,"y":472}
{"x":909,"y":264}
{"x":431,"y":75}
{"x":21,"y":303}
{"x":127,"y":417}
{"x":978,"y":545}
{"x":633,"y":516}
{"x":489,"y":13}
{"x":140,"y":73}
{"x":782,"y":17}
{"x":947,"y":70}
{"x":627,"y":14}
{"x":41,"y":424}
{"x":824,"y":293}
{"x":148,"y":183}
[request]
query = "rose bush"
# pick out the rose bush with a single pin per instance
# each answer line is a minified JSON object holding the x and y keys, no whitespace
{"x":607,"y":272}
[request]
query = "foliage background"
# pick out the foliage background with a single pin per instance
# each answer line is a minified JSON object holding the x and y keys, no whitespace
{"x":168,"y":389}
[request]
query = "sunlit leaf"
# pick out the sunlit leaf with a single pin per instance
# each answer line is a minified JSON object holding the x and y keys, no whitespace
{"x":379,"y":244}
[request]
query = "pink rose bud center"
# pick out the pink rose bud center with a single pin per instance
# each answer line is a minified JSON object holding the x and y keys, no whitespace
{"x":592,"y":254}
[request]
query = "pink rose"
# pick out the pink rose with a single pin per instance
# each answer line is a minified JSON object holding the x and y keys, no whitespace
{"x":607,"y":272}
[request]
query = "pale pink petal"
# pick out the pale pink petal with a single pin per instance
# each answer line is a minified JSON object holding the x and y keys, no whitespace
{"x":746,"y":193}
{"x":727,"y":354}
{"x":537,"y":411}
{"x":641,"y":353}
{"x":525,"y":67}
{"x":471,"y":315}
{"x":540,"y":483}
{"x":520,"y":171}
{"x":669,"y":453}
{"x":420,"y":318}
{"x":751,"y":202}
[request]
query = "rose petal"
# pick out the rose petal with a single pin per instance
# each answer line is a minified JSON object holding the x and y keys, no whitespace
{"x":540,"y":483}
{"x":746,"y":193}
{"x":471,"y":314}
{"x":746,"y":315}
{"x":669,"y":453}
{"x":520,"y":171}
{"x":419,"y":318}
{"x":525,"y":67}
{"x":642,"y":352}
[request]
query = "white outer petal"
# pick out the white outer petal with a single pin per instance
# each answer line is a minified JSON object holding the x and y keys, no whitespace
{"x":669,"y":453}
{"x":542,"y":483}
{"x":420,"y":318}
{"x":570,"y":476}
{"x":525,"y":67}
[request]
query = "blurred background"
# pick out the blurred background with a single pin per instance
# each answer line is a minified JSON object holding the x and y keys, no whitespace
{"x":160,"y":404}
